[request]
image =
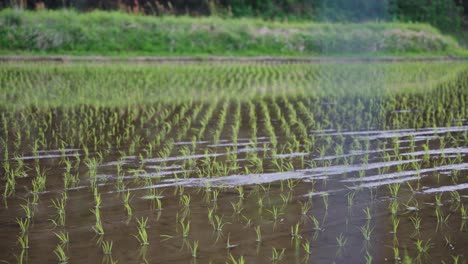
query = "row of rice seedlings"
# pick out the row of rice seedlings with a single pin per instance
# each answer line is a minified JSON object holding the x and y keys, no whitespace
{"x":338,"y":146}
{"x":295,"y":232}
{"x":92,"y":163}
{"x":100,"y":125}
{"x":181,"y":83}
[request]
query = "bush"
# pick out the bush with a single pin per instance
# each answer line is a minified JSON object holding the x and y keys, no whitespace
{"x":115,"y":33}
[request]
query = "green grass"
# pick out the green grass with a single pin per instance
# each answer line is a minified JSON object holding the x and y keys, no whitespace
{"x":120,"y":34}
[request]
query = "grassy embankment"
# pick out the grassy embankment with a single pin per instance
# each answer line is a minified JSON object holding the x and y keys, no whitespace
{"x":118,"y":34}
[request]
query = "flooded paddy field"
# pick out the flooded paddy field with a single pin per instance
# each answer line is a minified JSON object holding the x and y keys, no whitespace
{"x":234,"y":163}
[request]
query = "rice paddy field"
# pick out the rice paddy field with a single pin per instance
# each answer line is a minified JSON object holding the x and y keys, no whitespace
{"x":234,"y":162}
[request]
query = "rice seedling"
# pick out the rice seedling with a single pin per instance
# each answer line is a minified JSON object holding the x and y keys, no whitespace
{"x":394,"y":207}
{"x":61,"y":254}
{"x":368,"y":213}
{"x":185,"y":228}
{"x":275,"y":213}
{"x":394,"y":189}
{"x":228,"y":242}
{"x":233,"y":260}
{"x":456,"y":259}
{"x":218,"y":223}
{"x":194,"y":249}
{"x":368,"y":258}
{"x":341,"y":240}
{"x":366,"y":231}
{"x":63,"y":237}
{"x":215,"y":196}
{"x":126,"y":201}
{"x":28,"y":210}
{"x":305,"y":207}
{"x":306,"y":247}
{"x":395,"y":224}
{"x":59,"y":205}
{"x":39,"y":182}
{"x":23,"y":224}
{"x":237,"y":207}
{"x":258,"y":233}
{"x":416,"y":221}
{"x":277,"y":255}
{"x":107,"y":247}
{"x":98,"y":228}
{"x":423,"y":247}
{"x":438,"y":199}
{"x":158,"y":204}
{"x":455,"y":196}
{"x":464,"y":212}
{"x":142,"y":235}
{"x":286,"y":199}
{"x":23,"y":241}
{"x":295,"y":231}
{"x":396,"y":254}
{"x":185,"y":201}
{"x":441,"y":217}
{"x":240,"y":191}
{"x":350,"y":197}
{"x":97,"y":198}
{"x":316,"y":223}
{"x":325,"y":200}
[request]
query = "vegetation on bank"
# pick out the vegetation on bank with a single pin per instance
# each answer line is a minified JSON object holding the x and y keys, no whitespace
{"x":115,"y":33}
{"x":446,"y":15}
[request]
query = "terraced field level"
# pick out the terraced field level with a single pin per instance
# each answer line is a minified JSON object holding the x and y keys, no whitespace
{"x":234,"y":163}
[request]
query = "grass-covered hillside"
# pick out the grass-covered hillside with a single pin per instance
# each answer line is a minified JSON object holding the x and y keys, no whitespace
{"x":119,"y":34}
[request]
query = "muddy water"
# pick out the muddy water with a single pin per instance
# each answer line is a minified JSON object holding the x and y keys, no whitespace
{"x":243,"y":181}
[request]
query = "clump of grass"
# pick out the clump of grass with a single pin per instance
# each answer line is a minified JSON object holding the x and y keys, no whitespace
{"x":63,"y":237}
{"x":366,"y":231}
{"x":341,"y":240}
{"x":23,"y":240}
{"x":142,"y":235}
{"x":275,"y":213}
{"x":394,"y":189}
{"x":258,"y":232}
{"x":194,"y":249}
{"x":98,"y":227}
{"x":218,"y":223}
{"x":126,"y":201}
{"x":464,"y":212}
{"x":61,"y":254}
{"x":423,"y":247}
{"x":295,"y":231}
{"x":277,"y":255}
{"x":185,"y":228}
{"x":59,"y":205}
{"x":306,"y":247}
{"x":239,"y":260}
{"x":368,"y":213}
{"x":107,"y":247}
{"x":23,"y":224}
{"x":416,"y":221}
